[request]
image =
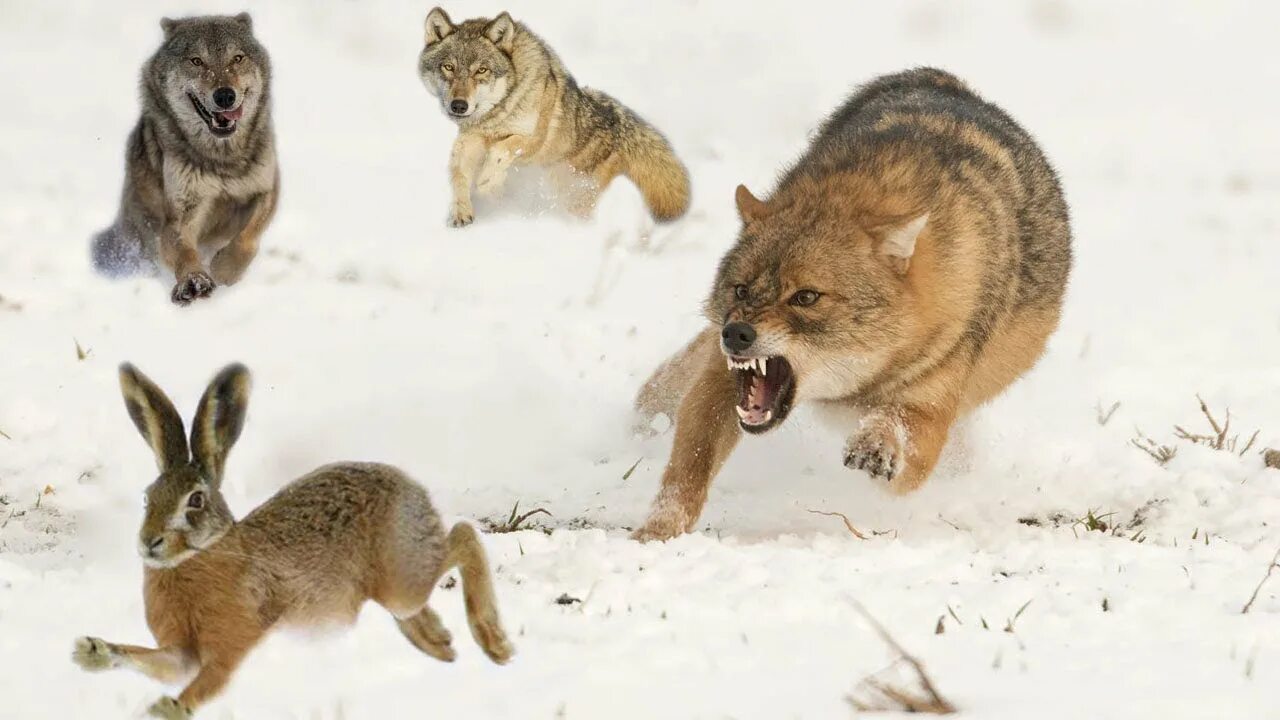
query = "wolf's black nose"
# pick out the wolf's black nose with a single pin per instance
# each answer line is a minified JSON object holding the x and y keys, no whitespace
{"x":738,"y":336}
{"x":457,"y":107}
{"x":224,"y":97}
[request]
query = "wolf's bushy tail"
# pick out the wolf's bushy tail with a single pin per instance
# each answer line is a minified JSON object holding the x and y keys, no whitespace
{"x":116,"y":254}
{"x":652,"y":165}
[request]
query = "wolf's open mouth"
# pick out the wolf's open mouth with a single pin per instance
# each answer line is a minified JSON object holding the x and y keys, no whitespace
{"x":766,"y":389}
{"x":221,"y":124}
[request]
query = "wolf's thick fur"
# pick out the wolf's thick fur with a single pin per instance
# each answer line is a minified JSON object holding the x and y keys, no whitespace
{"x":907,"y":269}
{"x":514,"y":102}
{"x":309,"y":556}
{"x":198,"y":178}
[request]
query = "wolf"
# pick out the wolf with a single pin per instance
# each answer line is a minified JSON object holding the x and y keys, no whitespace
{"x":200,"y":166}
{"x":907,"y":268}
{"x":515,"y":103}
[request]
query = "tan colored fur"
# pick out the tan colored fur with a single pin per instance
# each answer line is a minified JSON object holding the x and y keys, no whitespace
{"x":935,"y":236}
{"x":531,"y":111}
{"x":311,"y":555}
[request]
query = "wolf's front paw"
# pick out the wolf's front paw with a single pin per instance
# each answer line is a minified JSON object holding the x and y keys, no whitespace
{"x":493,"y":175}
{"x":461,"y":215}
{"x":660,"y":526}
{"x":169,"y":709}
{"x":93,"y":654}
{"x":876,"y":450}
{"x":193,"y":286}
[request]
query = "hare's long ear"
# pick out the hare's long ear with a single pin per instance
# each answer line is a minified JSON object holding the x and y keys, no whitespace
{"x":219,"y":420}
{"x":155,"y":418}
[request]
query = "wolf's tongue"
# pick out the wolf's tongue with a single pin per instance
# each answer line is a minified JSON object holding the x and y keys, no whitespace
{"x":231,"y":114}
{"x":756,"y":406}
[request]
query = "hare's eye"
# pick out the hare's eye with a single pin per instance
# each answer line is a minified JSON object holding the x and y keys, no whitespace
{"x":197,"y":62}
{"x":195,"y":500}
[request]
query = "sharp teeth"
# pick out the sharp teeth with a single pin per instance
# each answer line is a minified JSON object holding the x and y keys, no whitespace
{"x":729,"y":361}
{"x":742,"y":414}
{"x":768,"y":415}
{"x":763,"y":364}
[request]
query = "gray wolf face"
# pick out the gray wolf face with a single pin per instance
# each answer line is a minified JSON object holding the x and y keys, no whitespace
{"x":467,"y":66}
{"x":212,"y":73}
{"x":808,"y":304}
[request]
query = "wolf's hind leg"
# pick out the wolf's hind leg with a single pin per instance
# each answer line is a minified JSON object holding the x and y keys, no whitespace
{"x":167,"y":665}
{"x":229,"y":264}
{"x":466,"y":553}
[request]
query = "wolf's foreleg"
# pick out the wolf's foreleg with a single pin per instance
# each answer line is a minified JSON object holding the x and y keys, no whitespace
{"x":229,"y":264}
{"x":167,"y":665}
{"x":499,"y":159}
{"x":706,"y":432}
{"x":468,"y":152}
{"x":178,"y":242}
{"x":899,"y":445}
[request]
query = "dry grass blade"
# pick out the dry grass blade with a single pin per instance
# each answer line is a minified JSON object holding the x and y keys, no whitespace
{"x":5,"y":435}
{"x":1104,"y":416}
{"x":847,"y":523}
{"x":515,"y":520}
{"x":1275,"y":563}
{"x":627,"y":475}
{"x":81,"y":353}
{"x":880,"y":695}
{"x":1162,"y":454}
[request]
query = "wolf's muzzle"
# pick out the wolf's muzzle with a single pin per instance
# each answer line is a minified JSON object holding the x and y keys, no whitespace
{"x":738,"y":336}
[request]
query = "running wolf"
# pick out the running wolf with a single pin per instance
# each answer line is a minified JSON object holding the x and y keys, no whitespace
{"x":514,"y":102}
{"x":908,"y":268}
{"x":200,"y":166}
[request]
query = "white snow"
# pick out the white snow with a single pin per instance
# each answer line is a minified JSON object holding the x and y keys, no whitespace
{"x":497,"y":363}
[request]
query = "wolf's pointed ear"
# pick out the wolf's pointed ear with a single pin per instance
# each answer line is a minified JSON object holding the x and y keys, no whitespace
{"x":246,"y":20}
{"x":898,"y":240}
{"x":750,"y":207}
{"x":439,"y":26}
{"x":155,"y":418}
{"x":219,"y":420}
{"x":502,"y":31}
{"x":168,"y":25}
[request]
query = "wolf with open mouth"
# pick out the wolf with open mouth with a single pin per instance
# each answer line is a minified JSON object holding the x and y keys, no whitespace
{"x":200,"y":176}
{"x":908,"y":268}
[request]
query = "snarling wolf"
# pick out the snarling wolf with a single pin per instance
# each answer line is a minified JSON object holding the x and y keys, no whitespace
{"x":514,"y":103}
{"x":200,"y":166}
{"x":908,"y":268}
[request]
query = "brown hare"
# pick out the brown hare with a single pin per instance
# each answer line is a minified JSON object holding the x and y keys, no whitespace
{"x":311,"y":555}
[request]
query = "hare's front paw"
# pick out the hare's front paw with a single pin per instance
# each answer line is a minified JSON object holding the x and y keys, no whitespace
{"x":492,"y":638}
{"x":93,"y":654}
{"x":461,"y":214}
{"x":192,"y":286}
{"x":169,"y":708}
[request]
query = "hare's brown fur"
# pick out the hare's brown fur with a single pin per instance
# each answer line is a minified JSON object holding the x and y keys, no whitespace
{"x":311,"y":555}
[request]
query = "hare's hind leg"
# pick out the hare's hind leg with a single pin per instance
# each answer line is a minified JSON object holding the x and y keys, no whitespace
{"x":428,"y":634}
{"x":167,"y":665}
{"x":466,"y":553}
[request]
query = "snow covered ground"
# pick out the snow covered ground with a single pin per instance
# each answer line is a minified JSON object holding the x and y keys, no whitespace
{"x":497,"y":363}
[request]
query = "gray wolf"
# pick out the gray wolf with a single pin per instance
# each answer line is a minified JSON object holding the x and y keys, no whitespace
{"x":515,"y":103}
{"x":200,"y":165}
{"x":310,"y":555}
{"x":906,"y":269}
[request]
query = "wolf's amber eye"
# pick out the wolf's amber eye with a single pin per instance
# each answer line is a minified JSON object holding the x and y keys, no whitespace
{"x":805,"y":298}
{"x":195,"y":500}
{"x":237,"y":60}
{"x":740,"y":292}
{"x":197,"y":62}
{"x":481,"y":71}
{"x":447,"y":67}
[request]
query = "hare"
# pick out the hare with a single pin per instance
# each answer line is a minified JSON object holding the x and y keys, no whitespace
{"x":312,"y":554}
